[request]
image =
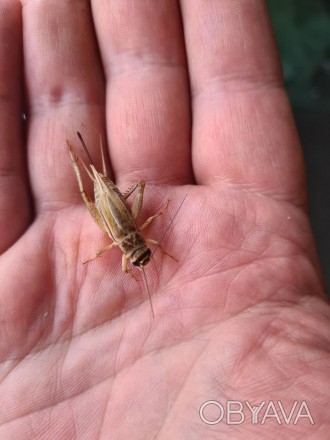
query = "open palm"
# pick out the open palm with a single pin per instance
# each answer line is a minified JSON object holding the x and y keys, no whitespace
{"x":193,"y":105}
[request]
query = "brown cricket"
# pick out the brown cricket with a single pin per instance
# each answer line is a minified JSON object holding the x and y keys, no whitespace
{"x":113,"y":215}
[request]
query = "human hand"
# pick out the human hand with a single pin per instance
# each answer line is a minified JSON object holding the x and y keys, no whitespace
{"x":196,"y":110}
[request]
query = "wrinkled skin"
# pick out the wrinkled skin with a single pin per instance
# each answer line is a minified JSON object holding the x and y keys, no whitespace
{"x":193,"y":106}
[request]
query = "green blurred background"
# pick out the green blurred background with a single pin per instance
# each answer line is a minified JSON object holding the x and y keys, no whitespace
{"x":302,"y":29}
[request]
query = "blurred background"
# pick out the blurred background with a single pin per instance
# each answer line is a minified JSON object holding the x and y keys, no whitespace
{"x":302,"y":29}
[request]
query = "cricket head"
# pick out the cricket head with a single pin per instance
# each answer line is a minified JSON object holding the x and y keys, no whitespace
{"x":135,"y":249}
{"x":141,"y":257}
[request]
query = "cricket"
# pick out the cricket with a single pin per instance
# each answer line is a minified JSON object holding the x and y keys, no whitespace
{"x":113,"y":215}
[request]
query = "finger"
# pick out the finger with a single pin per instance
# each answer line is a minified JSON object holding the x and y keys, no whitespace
{"x":14,"y":194}
{"x":243,"y":127}
{"x":65,"y":93}
{"x":148,"y":114}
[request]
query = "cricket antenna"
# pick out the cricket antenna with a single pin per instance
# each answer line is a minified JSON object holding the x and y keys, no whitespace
{"x":168,"y":227}
{"x":148,"y":290}
{"x":85,"y":148}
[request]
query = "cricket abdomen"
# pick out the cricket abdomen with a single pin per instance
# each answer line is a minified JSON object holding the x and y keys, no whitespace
{"x":135,"y":249}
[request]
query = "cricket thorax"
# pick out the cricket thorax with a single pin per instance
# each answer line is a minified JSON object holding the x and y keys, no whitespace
{"x":135,"y":249}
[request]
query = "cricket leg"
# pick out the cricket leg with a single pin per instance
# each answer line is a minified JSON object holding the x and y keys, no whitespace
{"x":104,"y":168}
{"x":130,"y":190}
{"x":156,"y":243}
{"x":152,"y":218}
{"x":88,"y":201}
{"x":101,"y":251}
{"x":138,"y":202}
{"x":124,"y":267}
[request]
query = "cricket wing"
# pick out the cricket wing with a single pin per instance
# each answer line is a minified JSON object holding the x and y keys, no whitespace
{"x":114,"y":211}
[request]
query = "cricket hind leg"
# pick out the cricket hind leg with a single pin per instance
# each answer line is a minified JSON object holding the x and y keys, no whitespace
{"x":137,"y":205}
{"x":138,"y":201}
{"x":136,"y":208}
{"x":130,"y":190}
{"x":87,"y":200}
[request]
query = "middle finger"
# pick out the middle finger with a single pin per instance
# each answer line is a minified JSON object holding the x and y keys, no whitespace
{"x":148,"y":105}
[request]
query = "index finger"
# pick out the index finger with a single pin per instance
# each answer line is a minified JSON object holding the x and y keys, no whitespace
{"x":65,"y":91}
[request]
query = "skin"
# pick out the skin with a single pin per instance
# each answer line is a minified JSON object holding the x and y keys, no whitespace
{"x":191,"y":104}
